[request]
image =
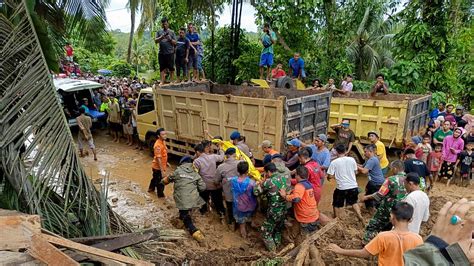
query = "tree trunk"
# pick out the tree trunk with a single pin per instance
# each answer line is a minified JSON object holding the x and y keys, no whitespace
{"x":130,"y":39}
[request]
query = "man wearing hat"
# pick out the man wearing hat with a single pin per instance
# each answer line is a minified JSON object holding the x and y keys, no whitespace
{"x":459,"y":113}
{"x":187,"y":185}
{"x":239,"y":142}
{"x":291,"y":159}
{"x":225,"y":171}
{"x":380,"y":152}
{"x":344,"y":135}
{"x":159,"y":164}
{"x":267,"y":148}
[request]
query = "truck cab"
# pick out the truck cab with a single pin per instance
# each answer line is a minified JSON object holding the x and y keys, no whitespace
{"x":146,"y":117}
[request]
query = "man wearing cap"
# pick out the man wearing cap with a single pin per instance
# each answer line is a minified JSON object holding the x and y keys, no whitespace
{"x":321,"y":154}
{"x":344,"y":135}
{"x":380,"y":152}
{"x":267,"y":148}
{"x":225,"y":171}
{"x":239,"y":142}
{"x":419,"y":200}
{"x":187,"y":185}
{"x":459,"y":113}
{"x":167,"y":40}
{"x":159,"y":164}
{"x":291,"y":159}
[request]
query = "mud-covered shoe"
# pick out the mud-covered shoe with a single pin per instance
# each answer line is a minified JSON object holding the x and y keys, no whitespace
{"x":198,"y":236}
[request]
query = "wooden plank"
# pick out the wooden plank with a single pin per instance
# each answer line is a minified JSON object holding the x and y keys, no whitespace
{"x":17,"y":229}
{"x":105,"y":261}
{"x":92,"y":240}
{"x":17,"y":258}
{"x":94,"y":251}
{"x":121,"y":242}
{"x":47,"y":253}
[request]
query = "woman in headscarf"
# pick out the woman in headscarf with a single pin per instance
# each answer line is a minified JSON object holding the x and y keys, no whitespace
{"x":452,"y":146}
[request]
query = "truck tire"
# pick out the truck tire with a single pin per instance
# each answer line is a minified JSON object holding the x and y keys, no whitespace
{"x":285,"y":83}
{"x":150,"y":142}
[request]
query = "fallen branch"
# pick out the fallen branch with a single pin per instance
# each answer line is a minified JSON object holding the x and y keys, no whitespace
{"x":285,"y":249}
{"x":301,"y":250}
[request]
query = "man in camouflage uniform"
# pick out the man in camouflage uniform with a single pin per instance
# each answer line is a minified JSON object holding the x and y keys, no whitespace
{"x":275,"y":221}
{"x":390,"y":193}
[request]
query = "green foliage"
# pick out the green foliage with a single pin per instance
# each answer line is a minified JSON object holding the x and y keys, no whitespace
{"x":434,"y":48}
{"x":90,"y":61}
{"x":223,"y":49}
{"x":122,"y":69}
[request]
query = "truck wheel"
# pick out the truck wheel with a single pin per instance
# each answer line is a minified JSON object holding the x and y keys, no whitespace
{"x":150,"y":142}
{"x":285,"y":83}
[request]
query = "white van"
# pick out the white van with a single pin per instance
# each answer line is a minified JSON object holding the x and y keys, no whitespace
{"x":70,"y":95}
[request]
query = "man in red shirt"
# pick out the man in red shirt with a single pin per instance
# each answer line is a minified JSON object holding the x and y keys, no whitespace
{"x":314,"y":172}
{"x":69,"y":52}
{"x":278,"y":72}
{"x":302,"y":197}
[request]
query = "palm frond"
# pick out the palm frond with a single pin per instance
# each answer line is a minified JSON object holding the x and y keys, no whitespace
{"x":41,"y":172}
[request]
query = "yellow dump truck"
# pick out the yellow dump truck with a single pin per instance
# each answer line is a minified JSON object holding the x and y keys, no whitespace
{"x":397,"y":117}
{"x":186,"y":111}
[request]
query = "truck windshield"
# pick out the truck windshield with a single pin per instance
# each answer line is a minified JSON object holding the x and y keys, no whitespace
{"x":145,"y":103}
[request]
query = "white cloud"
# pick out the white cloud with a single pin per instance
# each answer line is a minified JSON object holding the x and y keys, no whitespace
{"x":118,"y":16}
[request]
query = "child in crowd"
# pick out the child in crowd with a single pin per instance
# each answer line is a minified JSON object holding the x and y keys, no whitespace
{"x":425,"y":148}
{"x":434,"y":161}
{"x":466,"y":163}
{"x":244,"y":201}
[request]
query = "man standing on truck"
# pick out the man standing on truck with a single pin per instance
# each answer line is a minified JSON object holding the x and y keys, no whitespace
{"x":159,"y":164}
{"x":266,"y":57}
{"x":194,"y":40}
{"x":381,"y":153}
{"x":167,"y":40}
{"x":344,"y":135}
{"x":182,"y":54}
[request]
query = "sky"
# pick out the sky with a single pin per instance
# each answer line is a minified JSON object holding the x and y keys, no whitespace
{"x":118,"y":16}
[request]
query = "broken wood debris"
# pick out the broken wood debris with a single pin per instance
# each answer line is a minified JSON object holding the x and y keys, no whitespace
{"x":23,"y":232}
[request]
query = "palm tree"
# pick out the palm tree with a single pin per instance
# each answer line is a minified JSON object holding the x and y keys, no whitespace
{"x":133,"y":6}
{"x":40,"y":172}
{"x":55,"y":20}
{"x":370,"y":47}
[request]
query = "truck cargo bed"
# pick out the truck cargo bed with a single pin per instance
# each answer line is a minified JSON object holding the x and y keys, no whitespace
{"x":185,"y":111}
{"x":396,"y":116}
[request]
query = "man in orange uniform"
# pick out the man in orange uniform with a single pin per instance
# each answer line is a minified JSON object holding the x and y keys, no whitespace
{"x":305,"y":206}
{"x":159,"y":164}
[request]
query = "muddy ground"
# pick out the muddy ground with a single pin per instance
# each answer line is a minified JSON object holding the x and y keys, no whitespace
{"x":128,"y":171}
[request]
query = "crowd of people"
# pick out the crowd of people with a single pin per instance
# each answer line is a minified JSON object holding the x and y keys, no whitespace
{"x":289,"y":186}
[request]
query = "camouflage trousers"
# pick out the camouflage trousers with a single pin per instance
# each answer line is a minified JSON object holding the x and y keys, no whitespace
{"x":273,"y":226}
{"x":380,"y":222}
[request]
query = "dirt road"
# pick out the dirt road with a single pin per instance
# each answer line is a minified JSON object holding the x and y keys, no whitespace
{"x":129,"y":173}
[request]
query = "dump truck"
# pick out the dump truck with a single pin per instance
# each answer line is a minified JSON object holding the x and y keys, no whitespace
{"x":187,"y":111}
{"x":397,"y":117}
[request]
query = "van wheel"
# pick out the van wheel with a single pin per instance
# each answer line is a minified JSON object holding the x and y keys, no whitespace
{"x":150,"y":142}
{"x":356,"y":156}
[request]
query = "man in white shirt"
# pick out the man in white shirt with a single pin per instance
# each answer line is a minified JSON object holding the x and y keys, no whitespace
{"x":344,"y":170}
{"x":346,"y":87}
{"x":419,"y":200}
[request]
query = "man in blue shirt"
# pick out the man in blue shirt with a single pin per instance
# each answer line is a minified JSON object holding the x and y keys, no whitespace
{"x":376,"y":177}
{"x":266,"y":57}
{"x":297,"y":67}
{"x":194,"y":40}
{"x":321,"y":154}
